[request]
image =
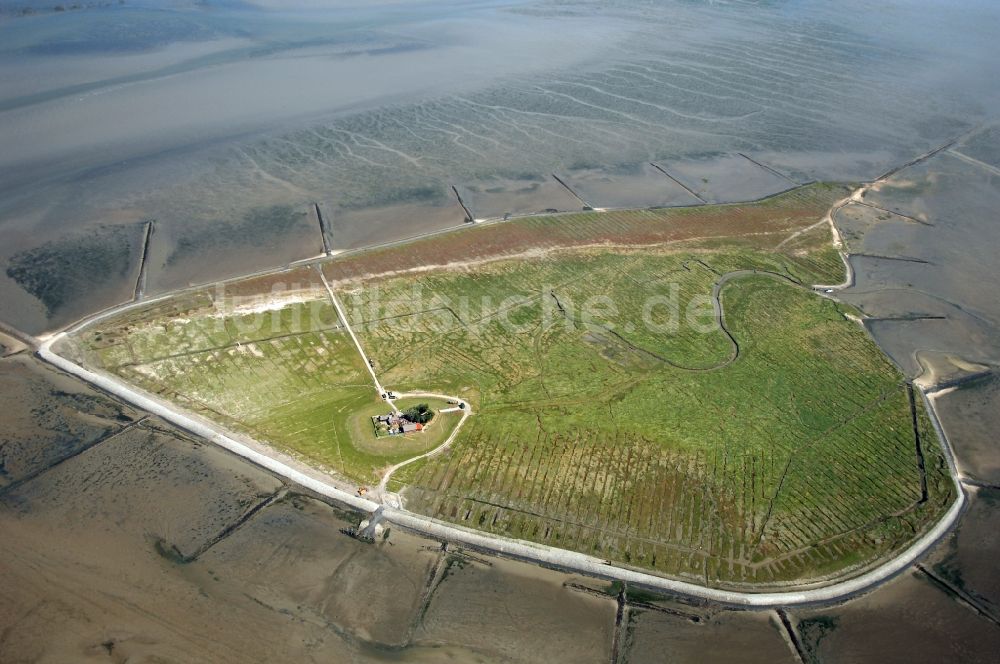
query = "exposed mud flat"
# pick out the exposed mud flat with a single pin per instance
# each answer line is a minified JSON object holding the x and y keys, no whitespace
{"x":152,"y":546}
{"x":139,"y":485}
{"x":681,"y":634}
{"x":626,"y":186}
{"x":859,"y":165}
{"x":351,"y":107}
{"x":48,"y":417}
{"x":726,"y":178}
{"x":52,"y":279}
{"x":965,"y":562}
{"x":89,"y":599}
{"x":899,"y":337}
{"x":265,"y":237}
{"x":293,"y":557}
{"x":983,"y":146}
{"x":88,"y":560}
{"x":970,"y":416}
{"x":497,"y":197}
{"x":71,"y":599}
{"x":910,"y":619}
{"x":516,"y":612}
{"x":922,"y":273}
{"x":355,"y":228}
{"x":10,"y":345}
{"x":877,"y":232}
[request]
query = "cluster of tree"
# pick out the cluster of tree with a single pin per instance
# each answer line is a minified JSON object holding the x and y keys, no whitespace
{"x":421,"y":413}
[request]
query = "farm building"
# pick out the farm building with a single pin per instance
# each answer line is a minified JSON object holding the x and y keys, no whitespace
{"x":396,"y":423}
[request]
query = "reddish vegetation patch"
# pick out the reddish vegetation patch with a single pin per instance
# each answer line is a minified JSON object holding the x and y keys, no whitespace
{"x":785,"y":213}
{"x":302,"y":277}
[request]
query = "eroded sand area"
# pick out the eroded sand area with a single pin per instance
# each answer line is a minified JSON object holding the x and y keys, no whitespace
{"x":153,"y":544}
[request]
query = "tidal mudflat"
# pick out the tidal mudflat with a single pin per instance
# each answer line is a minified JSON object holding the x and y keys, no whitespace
{"x":970,"y":414}
{"x":69,"y":275}
{"x":151,"y":544}
{"x":964,"y":564}
{"x":627,"y":186}
{"x":48,"y":418}
{"x":295,"y":557}
{"x":910,"y":619}
{"x":499,"y":197}
{"x":357,"y":115}
{"x":95,"y":493}
{"x":485,"y":603}
{"x":364,"y":227}
{"x":920,"y":260}
{"x":727,"y":178}
{"x":685,"y":634}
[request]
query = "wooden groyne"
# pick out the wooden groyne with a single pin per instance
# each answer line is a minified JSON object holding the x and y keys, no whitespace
{"x":324,"y":231}
{"x":140,"y":280}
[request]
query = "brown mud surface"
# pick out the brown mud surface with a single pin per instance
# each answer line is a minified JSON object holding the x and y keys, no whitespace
{"x":908,"y":620}
{"x":970,"y":416}
{"x":688,"y":636}
{"x":490,"y":605}
{"x":138,"y":485}
{"x":294,"y":558}
{"x":48,"y":417}
{"x":965,"y":562}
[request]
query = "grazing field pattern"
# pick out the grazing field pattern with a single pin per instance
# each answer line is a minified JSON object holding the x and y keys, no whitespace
{"x":744,"y":433}
{"x":278,"y":367}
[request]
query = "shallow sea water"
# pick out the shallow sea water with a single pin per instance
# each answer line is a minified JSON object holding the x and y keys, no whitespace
{"x":210,"y":115}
